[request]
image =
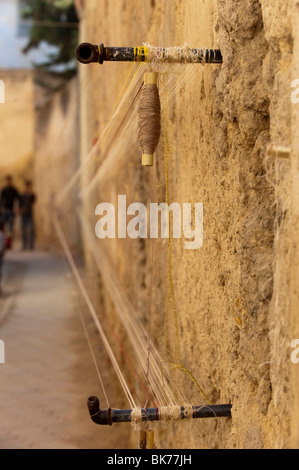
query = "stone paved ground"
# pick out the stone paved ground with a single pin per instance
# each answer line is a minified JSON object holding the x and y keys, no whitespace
{"x":48,"y":372}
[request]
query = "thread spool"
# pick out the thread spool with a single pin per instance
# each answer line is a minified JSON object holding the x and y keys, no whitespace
{"x":149,"y":118}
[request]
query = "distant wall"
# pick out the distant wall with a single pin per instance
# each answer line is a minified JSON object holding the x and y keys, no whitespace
{"x":56,"y":160}
{"x":17,"y":126}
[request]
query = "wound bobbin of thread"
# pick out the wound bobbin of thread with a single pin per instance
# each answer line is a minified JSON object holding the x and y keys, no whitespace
{"x":149,"y":118}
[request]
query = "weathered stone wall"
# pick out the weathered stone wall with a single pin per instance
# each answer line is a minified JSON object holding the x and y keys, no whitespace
{"x":237,"y":296}
{"x":56,"y":160}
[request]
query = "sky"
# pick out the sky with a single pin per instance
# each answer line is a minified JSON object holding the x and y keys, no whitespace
{"x":10,"y":44}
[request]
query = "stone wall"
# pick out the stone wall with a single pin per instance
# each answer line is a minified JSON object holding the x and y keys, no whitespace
{"x":292,"y":235}
{"x":56,"y":160}
{"x":17,"y":125}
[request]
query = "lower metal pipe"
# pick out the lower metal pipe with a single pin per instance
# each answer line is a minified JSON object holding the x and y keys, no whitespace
{"x":109,"y":416}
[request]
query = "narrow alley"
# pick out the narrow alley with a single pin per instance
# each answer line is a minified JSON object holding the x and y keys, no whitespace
{"x":48,"y":372}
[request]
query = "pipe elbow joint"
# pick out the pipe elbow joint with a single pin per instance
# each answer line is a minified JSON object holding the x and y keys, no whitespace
{"x":98,"y":416}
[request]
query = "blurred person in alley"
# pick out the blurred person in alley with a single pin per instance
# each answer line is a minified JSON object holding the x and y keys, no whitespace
{"x":2,"y":251}
{"x":27,"y":200}
{"x":9,"y":198}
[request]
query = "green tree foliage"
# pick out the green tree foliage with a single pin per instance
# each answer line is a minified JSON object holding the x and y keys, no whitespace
{"x":48,"y":18}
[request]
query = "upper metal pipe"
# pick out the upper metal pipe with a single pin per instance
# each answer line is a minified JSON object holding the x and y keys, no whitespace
{"x":87,"y":53}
